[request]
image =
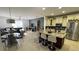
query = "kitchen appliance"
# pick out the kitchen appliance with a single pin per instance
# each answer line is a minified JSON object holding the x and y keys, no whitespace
{"x":58,"y":27}
{"x":73,"y":30}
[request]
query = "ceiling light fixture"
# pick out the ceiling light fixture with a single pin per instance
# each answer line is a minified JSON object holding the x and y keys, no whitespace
{"x":63,"y":11}
{"x":43,"y":8}
{"x":52,"y":13}
{"x":10,"y":20}
{"x":59,"y":7}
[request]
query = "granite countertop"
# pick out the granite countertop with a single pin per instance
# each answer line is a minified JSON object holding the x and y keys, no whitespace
{"x":60,"y":34}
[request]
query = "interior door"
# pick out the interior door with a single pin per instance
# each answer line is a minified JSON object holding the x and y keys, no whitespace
{"x":38,"y":25}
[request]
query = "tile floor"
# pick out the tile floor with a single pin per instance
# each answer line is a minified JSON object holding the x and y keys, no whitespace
{"x":30,"y":43}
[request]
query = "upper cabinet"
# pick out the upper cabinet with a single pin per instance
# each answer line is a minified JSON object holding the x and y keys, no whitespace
{"x":50,"y":21}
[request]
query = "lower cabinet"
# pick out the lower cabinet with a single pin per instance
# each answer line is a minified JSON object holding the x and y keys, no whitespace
{"x":59,"y":43}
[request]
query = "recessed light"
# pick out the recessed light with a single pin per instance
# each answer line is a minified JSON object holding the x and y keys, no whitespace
{"x":63,"y":11}
{"x":59,"y":7}
{"x":43,"y":8}
{"x":52,"y":13}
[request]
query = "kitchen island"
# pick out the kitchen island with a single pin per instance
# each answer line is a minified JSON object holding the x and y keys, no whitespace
{"x":57,"y":41}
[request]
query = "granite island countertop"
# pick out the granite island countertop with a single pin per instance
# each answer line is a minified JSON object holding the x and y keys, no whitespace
{"x":56,"y":34}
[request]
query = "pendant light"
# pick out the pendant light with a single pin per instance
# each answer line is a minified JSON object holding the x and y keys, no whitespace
{"x":10,"y":13}
{"x":10,"y":20}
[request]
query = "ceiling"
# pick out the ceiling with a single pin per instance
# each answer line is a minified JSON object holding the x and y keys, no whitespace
{"x":34,"y":12}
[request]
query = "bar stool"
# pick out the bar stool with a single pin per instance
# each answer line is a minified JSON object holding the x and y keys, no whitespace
{"x":51,"y":41}
{"x":44,"y":39}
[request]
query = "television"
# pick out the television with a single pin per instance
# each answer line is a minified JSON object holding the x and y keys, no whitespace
{"x":10,"y":21}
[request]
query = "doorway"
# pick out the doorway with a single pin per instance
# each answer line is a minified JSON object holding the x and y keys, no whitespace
{"x":38,"y":25}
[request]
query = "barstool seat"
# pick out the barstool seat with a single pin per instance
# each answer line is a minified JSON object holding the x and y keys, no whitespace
{"x":44,"y":39}
{"x":51,"y":40}
{"x":43,"y":36}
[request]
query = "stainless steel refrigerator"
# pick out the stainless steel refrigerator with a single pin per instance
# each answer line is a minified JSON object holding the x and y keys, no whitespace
{"x":73,"y":30}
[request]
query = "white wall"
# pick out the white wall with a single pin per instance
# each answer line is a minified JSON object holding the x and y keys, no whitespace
{"x":18,"y":24}
{"x":3,"y":22}
{"x":25,"y":23}
{"x":21,"y":23}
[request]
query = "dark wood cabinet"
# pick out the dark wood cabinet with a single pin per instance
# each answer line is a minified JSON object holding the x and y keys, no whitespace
{"x":59,"y":43}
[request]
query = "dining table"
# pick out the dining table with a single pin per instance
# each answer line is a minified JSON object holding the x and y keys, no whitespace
{"x":4,"y":38}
